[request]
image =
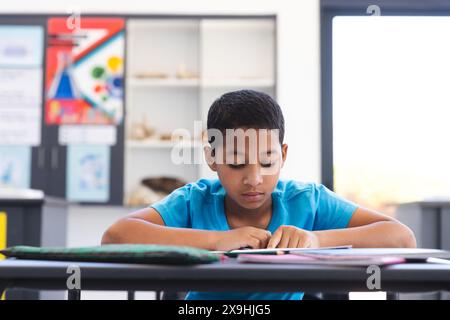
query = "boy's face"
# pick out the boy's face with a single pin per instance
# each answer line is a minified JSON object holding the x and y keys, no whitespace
{"x":249,"y":165}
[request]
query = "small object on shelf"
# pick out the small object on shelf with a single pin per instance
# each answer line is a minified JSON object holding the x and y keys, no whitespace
{"x":144,"y":196}
{"x":151,"y":75}
{"x":152,"y":190}
{"x":204,"y":136}
{"x":166,"y":82}
{"x":165,"y":136}
{"x":183,"y":73}
{"x":163,"y":184}
{"x":173,"y":137}
{"x":141,"y":130}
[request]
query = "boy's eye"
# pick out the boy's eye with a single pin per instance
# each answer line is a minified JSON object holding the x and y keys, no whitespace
{"x":267,"y":165}
{"x":236,"y":166}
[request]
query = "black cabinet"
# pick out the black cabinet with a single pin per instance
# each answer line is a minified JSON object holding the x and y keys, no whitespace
{"x":33,"y":220}
{"x":49,"y":166}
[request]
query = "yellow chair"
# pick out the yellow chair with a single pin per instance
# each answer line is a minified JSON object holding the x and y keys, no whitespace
{"x":3,"y":220}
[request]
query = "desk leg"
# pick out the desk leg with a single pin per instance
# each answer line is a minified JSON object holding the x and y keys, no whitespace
{"x":74,"y":294}
{"x":130,"y":295}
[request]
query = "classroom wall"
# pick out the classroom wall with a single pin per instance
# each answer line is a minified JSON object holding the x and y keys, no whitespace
{"x":298,"y":58}
{"x":298,"y":78}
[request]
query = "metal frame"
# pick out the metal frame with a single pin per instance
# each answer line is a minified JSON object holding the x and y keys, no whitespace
{"x":331,"y":9}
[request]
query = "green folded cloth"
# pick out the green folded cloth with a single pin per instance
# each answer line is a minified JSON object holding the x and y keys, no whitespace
{"x":127,"y":253}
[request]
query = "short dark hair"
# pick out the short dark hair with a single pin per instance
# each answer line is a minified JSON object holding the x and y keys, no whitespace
{"x":246,"y":109}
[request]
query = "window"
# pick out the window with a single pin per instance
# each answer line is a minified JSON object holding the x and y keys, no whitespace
{"x":391,"y":108}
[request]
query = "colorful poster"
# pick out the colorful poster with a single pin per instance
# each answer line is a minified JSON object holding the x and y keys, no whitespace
{"x":15,"y":166}
{"x":85,"y":68}
{"x":21,"y":58}
{"x":88,"y":173}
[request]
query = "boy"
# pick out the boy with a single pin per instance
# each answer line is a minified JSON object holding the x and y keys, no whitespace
{"x":248,"y":205}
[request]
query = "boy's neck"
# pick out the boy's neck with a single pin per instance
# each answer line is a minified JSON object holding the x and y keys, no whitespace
{"x":238,"y":216}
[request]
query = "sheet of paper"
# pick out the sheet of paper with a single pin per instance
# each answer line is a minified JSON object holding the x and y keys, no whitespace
{"x":307,"y":259}
{"x":279,"y":250}
{"x":88,"y":173}
{"x":87,"y":135}
{"x":404,"y":252}
{"x":21,"y":77}
{"x":15,"y":166}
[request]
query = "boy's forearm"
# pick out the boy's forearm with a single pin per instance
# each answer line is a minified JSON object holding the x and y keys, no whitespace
{"x":132,"y":230}
{"x":383,"y":234}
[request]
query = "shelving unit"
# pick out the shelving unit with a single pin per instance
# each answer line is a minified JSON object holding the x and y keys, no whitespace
{"x":176,"y":67}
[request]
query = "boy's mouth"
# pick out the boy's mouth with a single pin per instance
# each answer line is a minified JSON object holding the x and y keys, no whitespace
{"x":253,"y":196}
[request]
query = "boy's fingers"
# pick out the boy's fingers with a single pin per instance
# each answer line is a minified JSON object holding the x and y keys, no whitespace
{"x":275,"y":239}
{"x":302,"y":242}
{"x":294,"y":242}
{"x":284,"y":241}
{"x":263,"y":236}
{"x":254,"y":243}
{"x":263,"y":242}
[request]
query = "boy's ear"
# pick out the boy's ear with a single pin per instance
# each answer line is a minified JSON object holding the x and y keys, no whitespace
{"x":210,"y":160}
{"x":284,"y":150}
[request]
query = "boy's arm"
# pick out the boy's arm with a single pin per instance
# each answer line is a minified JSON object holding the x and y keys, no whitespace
{"x":366,"y":229}
{"x":147,"y":227}
{"x":369,"y":229}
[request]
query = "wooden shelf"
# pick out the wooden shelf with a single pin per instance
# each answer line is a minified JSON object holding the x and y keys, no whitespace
{"x":206,"y":83}
{"x":241,"y":83}
{"x":168,"y":82}
{"x":161,"y":144}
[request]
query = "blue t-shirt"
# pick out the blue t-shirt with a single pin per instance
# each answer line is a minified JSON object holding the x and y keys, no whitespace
{"x":307,"y":206}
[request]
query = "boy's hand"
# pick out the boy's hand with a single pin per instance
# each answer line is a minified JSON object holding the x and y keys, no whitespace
{"x":242,"y":237}
{"x":293,"y":237}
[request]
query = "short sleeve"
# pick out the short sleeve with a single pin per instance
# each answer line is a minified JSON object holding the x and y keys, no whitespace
{"x":332,"y":211}
{"x":174,"y":209}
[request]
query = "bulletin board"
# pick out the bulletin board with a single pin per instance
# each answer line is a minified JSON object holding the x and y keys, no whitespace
{"x":21,"y":52}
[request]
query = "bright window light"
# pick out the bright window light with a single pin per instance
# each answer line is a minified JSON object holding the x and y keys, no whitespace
{"x":391,"y":109}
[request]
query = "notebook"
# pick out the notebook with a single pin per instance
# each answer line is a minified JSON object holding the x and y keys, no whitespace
{"x":352,"y":257}
{"x":317,"y":259}
{"x":410,"y":254}
{"x":276,"y":251}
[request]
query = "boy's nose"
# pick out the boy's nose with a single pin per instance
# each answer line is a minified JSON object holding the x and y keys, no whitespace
{"x":253,"y":176}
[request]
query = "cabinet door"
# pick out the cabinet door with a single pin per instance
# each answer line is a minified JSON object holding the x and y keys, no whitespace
{"x":116,"y":176}
{"x":56,"y":163}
